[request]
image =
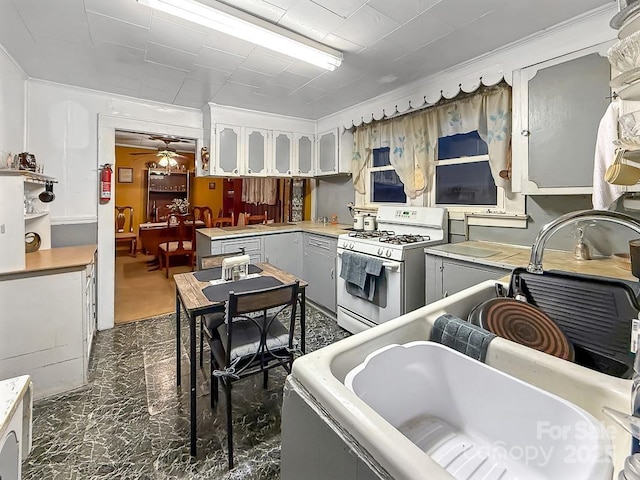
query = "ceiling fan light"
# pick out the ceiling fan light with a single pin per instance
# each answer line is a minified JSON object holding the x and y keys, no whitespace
{"x":246,"y":27}
{"x":163,"y":162}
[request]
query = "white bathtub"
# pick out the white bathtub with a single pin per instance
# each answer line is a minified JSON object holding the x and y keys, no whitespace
{"x":477,"y":422}
{"x":322,"y":374}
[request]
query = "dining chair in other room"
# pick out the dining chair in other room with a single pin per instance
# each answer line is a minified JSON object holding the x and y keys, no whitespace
{"x":209,"y":322}
{"x":125,"y":233}
{"x":204,"y":214}
{"x":252,"y":340}
{"x":221,"y":221}
{"x":255,"y":219}
{"x":180,"y":239}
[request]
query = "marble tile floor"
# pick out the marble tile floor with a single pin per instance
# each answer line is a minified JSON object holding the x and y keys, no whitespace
{"x":132,"y":422}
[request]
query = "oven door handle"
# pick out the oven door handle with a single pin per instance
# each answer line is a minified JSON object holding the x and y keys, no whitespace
{"x":389,"y":265}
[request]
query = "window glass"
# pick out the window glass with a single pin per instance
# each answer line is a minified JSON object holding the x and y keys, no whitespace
{"x":381,"y":157}
{"x":461,"y":145}
{"x":465,"y":184}
{"x":386,"y":187}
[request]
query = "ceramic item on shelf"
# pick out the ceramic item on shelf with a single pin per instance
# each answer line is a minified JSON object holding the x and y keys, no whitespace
{"x":369,"y":223}
{"x":626,"y":78}
{"x":631,"y":142}
{"x":624,"y":55}
{"x":624,"y":15}
{"x":32,"y":242}
{"x":630,"y":123}
{"x":358,"y":221}
{"x":622,"y":174}
{"x":48,"y":195}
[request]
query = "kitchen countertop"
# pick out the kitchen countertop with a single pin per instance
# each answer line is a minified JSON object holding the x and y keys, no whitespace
{"x":260,"y":229}
{"x":508,"y":256}
{"x":64,"y":258}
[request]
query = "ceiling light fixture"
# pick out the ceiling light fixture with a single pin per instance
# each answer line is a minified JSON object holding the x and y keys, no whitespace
{"x":225,"y":19}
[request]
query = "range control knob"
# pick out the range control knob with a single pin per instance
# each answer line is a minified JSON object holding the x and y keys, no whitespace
{"x":380,"y":251}
{"x":388,"y":252}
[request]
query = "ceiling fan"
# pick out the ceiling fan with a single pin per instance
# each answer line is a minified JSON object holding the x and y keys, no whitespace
{"x":167,"y":155}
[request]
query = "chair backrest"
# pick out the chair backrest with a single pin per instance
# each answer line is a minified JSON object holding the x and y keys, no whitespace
{"x":204,"y":214}
{"x":242,"y":219}
{"x":121,"y":218}
{"x":254,"y":219}
{"x":213,"y":261}
{"x":272,"y":303}
{"x":181,"y":229}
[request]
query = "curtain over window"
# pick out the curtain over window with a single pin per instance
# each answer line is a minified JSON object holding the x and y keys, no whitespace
{"x":260,"y":190}
{"x":413,"y":138}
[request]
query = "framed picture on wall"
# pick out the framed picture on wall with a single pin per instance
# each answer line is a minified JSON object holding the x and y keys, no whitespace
{"x":125,"y":175}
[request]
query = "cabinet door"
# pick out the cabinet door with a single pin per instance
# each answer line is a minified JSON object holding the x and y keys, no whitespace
{"x":328,"y":152}
{"x":319,"y":268}
{"x":458,"y":275}
{"x":228,"y":150}
{"x":282,"y":153}
{"x":284,"y":250}
{"x":304,"y":155}
{"x":255,"y":141}
{"x":557,"y":109}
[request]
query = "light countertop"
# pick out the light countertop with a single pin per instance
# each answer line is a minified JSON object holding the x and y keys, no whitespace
{"x":508,"y":256}
{"x":64,"y":258}
{"x":12,"y":391}
{"x":330,"y":230}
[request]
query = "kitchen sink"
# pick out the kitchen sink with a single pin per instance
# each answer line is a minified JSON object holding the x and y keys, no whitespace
{"x":279,"y":224}
{"x":386,"y":417}
{"x":439,"y":399}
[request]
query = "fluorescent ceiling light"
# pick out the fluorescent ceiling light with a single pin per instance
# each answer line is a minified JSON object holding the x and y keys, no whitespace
{"x":241,"y":25}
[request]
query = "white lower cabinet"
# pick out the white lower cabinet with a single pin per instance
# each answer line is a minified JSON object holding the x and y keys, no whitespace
{"x":252,"y":246}
{"x":49,"y":332}
{"x":319,"y":270}
{"x":446,"y":276}
{"x":284,"y":250}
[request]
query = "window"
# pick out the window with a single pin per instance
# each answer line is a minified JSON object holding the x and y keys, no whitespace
{"x":463,"y":175}
{"x":385,"y":185}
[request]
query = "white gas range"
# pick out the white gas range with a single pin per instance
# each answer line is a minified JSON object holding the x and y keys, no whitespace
{"x":399,"y":242}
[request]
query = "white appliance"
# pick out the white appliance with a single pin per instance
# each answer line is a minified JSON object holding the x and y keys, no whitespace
{"x":400,"y":239}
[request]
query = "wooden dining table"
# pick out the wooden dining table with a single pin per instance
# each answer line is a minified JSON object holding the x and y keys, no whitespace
{"x":152,"y":234}
{"x":191,"y":298}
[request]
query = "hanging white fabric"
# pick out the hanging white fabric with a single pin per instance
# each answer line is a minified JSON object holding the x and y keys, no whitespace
{"x":413,"y":139}
{"x":262,"y":191}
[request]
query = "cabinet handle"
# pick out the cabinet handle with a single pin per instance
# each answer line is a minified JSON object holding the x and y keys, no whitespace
{"x":525,"y":133}
{"x":299,"y":171}
{"x":445,"y":294}
{"x":235,"y":170}
{"x":288,"y":172}
{"x":332,"y":274}
{"x":248,"y":170}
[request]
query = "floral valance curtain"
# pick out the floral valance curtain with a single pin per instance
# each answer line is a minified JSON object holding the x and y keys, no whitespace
{"x":413,"y":139}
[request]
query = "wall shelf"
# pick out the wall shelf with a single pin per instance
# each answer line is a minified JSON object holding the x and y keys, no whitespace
{"x":31,"y":216}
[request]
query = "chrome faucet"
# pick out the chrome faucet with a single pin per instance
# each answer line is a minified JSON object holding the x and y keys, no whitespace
{"x":535,"y":266}
{"x":535,"y":263}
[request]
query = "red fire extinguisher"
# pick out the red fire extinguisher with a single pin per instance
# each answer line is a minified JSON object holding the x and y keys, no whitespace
{"x":105,"y":183}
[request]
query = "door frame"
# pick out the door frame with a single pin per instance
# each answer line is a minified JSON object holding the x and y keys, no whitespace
{"x":107,"y":126}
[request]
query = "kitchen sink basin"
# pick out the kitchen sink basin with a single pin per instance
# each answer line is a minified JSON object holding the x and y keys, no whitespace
{"x":279,"y":224}
{"x":477,"y":422}
{"x":397,"y":419}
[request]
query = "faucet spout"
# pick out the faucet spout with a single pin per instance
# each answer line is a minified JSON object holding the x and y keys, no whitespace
{"x":535,"y":263}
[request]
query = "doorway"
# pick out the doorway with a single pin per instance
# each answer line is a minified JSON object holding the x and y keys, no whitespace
{"x":107,"y":127}
{"x":152,"y":171}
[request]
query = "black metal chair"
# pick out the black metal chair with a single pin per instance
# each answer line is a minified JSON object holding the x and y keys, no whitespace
{"x":252,"y":340}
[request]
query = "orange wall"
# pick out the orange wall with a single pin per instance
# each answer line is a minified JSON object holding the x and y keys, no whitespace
{"x":134,"y":194}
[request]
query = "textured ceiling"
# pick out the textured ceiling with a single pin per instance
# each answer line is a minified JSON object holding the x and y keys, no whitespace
{"x":120,"y":46}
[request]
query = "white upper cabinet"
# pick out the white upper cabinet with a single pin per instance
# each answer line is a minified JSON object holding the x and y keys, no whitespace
{"x":258,"y":155}
{"x":328,"y":152}
{"x":304,"y":155}
{"x":282,"y":154}
{"x":228,"y":150}
{"x":557,"y":107}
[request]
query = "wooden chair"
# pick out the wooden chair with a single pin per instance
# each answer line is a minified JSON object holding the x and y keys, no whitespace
{"x":221,"y":221}
{"x":124,"y":234}
{"x":253,"y":340}
{"x":180,"y":241}
{"x":204,"y":214}
{"x":254,"y":219}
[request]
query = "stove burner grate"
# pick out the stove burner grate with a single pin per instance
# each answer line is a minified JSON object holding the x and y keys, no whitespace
{"x":403,"y":239}
{"x":372,"y":234}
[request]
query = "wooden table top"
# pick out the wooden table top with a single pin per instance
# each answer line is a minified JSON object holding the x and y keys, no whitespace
{"x":193,"y":299}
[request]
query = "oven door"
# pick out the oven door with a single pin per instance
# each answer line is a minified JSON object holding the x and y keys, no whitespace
{"x":388,"y":301}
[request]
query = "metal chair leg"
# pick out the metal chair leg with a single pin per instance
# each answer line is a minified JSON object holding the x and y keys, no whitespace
{"x":201,"y":342}
{"x":265,"y":379}
{"x":229,"y":424}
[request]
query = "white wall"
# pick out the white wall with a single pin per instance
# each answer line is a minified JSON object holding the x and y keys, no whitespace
{"x":12,"y":100}
{"x":62,"y":126}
